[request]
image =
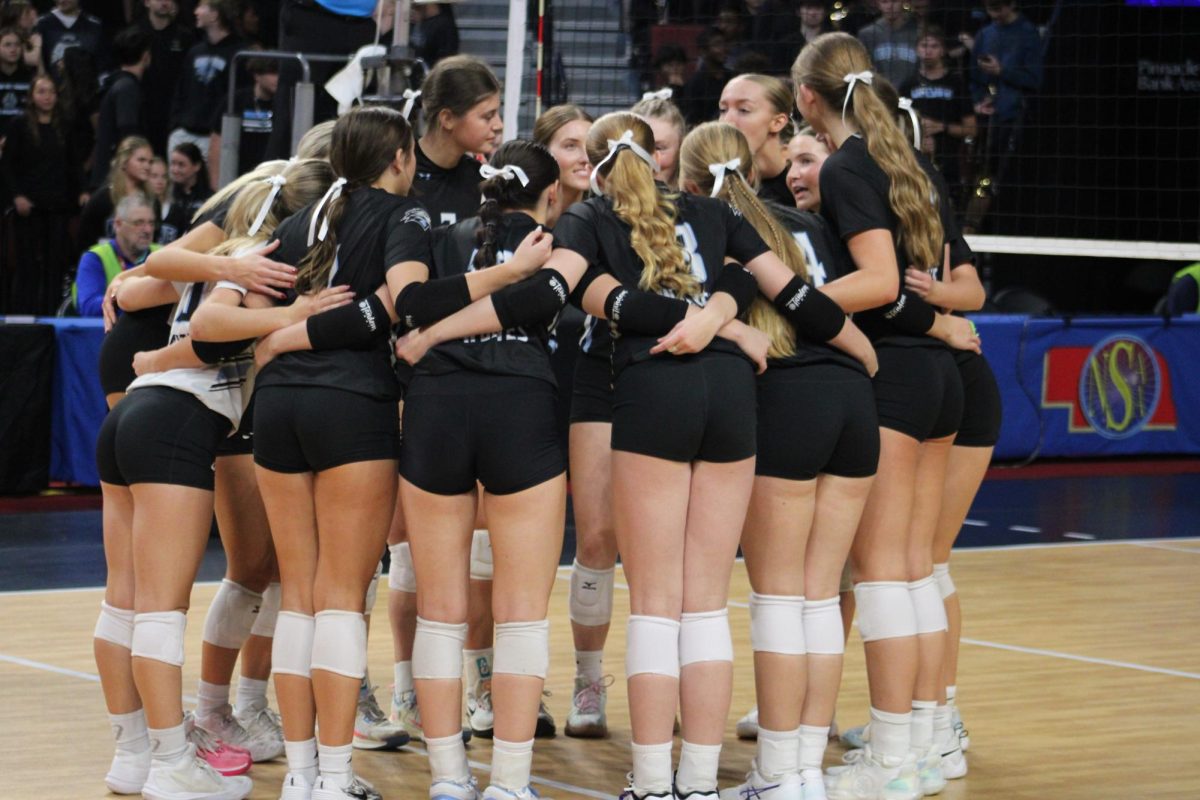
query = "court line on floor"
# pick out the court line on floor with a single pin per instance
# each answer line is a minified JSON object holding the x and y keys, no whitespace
{"x":1161,"y":546}
{"x":1036,"y":651}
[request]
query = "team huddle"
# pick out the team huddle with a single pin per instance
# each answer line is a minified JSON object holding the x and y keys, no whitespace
{"x":350,"y":351}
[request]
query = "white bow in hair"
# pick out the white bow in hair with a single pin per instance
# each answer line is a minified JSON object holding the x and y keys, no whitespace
{"x":508,"y":172}
{"x":852,"y":78}
{"x":334,"y":192}
{"x":615,"y":146}
{"x":906,"y":105}
{"x":720,"y":170}
{"x":277,"y":182}
{"x":661,"y":94}
{"x":410,"y":99}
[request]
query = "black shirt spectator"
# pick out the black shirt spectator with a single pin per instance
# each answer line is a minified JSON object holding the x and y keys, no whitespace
{"x":169,"y":43}
{"x":15,"y":78}
{"x":702,"y":92}
{"x":66,"y":26}
{"x":435,"y":35}
{"x":205,"y":80}
{"x":891,"y":41}
{"x":121,"y":105}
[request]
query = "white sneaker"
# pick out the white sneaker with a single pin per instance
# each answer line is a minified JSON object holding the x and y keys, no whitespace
{"x":128,"y":771}
{"x":295,"y":787}
{"x":546,"y":729}
{"x":929,"y":770}
{"x":359,"y":789}
{"x":964,"y":736}
{"x":814,"y":784}
{"x":586,"y":719}
{"x":856,"y":738}
{"x":870,"y":777}
{"x":372,"y":728}
{"x":263,"y":723}
{"x":191,"y":778}
{"x":747,"y":726}
{"x":954,"y":762}
{"x":479,"y":710}
{"x":756,"y":787}
{"x":497,"y":793}
{"x":453,"y":790}
{"x":263,"y":741}
{"x":629,"y":794}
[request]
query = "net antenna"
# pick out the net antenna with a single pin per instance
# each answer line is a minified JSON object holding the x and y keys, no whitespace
{"x":515,"y":71}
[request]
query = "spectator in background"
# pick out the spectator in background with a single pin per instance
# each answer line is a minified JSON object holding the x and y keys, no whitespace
{"x":254,"y":105}
{"x":729,"y":22}
{"x":42,"y":172}
{"x":670,"y":69}
{"x":189,"y":189}
{"x":121,"y":104}
{"x":15,"y":79}
{"x":941,"y":99}
{"x":21,"y":15}
{"x":170,"y":41}
{"x":703,"y":90}
{"x":434,"y":32}
{"x":128,"y":173}
{"x":201,"y":90}
{"x":133,"y":228}
{"x":891,"y":41}
{"x":771,"y":23}
{"x":812,"y":19}
{"x":158,"y":184}
{"x":79,"y":99}
{"x":65,"y":27}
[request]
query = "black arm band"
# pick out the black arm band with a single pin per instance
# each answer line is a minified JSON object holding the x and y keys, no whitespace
{"x":424,"y":303}
{"x":647,"y":313}
{"x":216,"y":352}
{"x":812,"y":314}
{"x":910,"y":314}
{"x":739,"y":283}
{"x":536,"y":299}
{"x":589,"y":275}
{"x":357,"y":326}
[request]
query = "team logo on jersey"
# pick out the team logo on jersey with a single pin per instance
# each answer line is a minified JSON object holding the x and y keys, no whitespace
{"x":417,"y":216}
{"x":1115,"y":389}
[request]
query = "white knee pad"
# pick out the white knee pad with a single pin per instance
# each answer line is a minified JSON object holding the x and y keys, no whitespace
{"x":372,"y":589}
{"x":847,"y":584}
{"x":158,"y":635}
{"x":652,"y":646}
{"x":339,"y":643}
{"x":481,"y":556}
{"x":231,"y":615}
{"x":927,"y":605}
{"x":438,"y":650}
{"x":522,"y":648}
{"x":823,"y":631}
{"x":704,"y":636}
{"x":777,"y":624}
{"x":402,"y":577}
{"x":268,"y":611}
{"x":115,"y":625}
{"x":591,"y":595}
{"x":945,"y":584}
{"x":885,"y":610}
{"x":291,"y":650}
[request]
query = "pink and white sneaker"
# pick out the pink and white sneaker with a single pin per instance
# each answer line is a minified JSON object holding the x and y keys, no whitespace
{"x":227,"y":759}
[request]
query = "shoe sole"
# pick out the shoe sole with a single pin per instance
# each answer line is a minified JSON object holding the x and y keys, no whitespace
{"x":545,"y":730}
{"x":390,"y":743}
{"x":747,"y":733}
{"x":117,"y":786}
{"x":485,"y":733}
{"x":587,"y":730}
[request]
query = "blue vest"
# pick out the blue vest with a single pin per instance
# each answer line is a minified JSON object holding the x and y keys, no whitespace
{"x":349,"y":8}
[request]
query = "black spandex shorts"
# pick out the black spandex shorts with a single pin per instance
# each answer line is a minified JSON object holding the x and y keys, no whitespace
{"x":135,"y":331}
{"x":241,"y":441}
{"x":688,"y":408}
{"x":592,"y":391}
{"x":315,"y":428}
{"x":918,"y":391}
{"x":980,"y":426}
{"x":816,"y":419}
{"x":464,"y":427}
{"x":160,"y":435}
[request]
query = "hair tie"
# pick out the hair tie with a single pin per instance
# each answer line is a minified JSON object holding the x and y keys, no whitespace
{"x":410,"y":99}
{"x":615,"y":146}
{"x":661,"y":94}
{"x":907,"y":105}
{"x":508,"y":172}
{"x":720,"y":170}
{"x":852,"y":78}
{"x":334,"y":192}
{"x":277,"y":182}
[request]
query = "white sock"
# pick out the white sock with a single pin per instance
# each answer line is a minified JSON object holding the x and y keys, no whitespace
{"x":951,"y":693}
{"x":479,"y":666}
{"x":211,"y":698}
{"x":129,"y":731}
{"x":813,"y":741}
{"x":168,"y":744}
{"x":890,"y":734}
{"x":651,"y":768}
{"x":922,"y":726}
{"x":302,"y":758}
{"x":943,"y":729}
{"x":335,"y":763}
{"x":511,"y":762}
{"x":447,"y":758}
{"x":778,"y":753}
{"x":697,"y":767}
{"x":588,"y":664}
{"x":402,"y":675}
{"x":251,"y":695}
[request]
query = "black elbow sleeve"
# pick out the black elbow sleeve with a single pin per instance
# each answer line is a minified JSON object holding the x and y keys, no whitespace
{"x":536,"y":299}
{"x":581,"y":288}
{"x":910,"y":314}
{"x":216,"y":352}
{"x":646,"y":313}
{"x":357,"y":326}
{"x":421,"y":304}
{"x":739,"y":283}
{"x":811,"y":313}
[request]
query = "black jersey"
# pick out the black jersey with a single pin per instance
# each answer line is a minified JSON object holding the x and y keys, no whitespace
{"x":826,"y":259}
{"x":216,"y":215}
{"x":451,"y":194}
{"x":776,"y":189}
{"x":377,"y":231}
{"x":523,"y":351}
{"x":960,"y":251}
{"x":708,"y":229}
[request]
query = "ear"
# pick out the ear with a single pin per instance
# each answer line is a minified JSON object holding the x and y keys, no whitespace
{"x":446,"y":119}
{"x":552,"y":193}
{"x":778,"y":123}
{"x":806,"y":95}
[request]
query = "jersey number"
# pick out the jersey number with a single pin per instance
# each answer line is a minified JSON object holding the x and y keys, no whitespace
{"x":816,"y":270}
{"x":691,"y":252}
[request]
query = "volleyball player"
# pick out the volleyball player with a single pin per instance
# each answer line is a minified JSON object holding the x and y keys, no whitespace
{"x":669,"y":127}
{"x":877,"y":200}
{"x":760,"y":107}
{"x":563,"y":131}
